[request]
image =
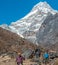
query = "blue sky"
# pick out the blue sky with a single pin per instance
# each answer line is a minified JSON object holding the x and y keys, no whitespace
{"x":12,"y":10}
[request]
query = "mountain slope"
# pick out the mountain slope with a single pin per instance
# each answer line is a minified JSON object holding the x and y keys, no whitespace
{"x":11,"y":42}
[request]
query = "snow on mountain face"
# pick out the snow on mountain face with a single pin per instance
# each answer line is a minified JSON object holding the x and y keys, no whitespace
{"x":4,"y":26}
{"x":30,"y":24}
{"x":44,"y":7}
{"x":12,"y":29}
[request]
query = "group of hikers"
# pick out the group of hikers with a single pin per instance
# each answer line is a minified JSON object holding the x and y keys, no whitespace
{"x":42,"y":57}
{"x":37,"y":53}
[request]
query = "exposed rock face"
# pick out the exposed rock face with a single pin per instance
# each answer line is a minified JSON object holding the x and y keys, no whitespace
{"x":27,"y":53}
{"x":48,"y":32}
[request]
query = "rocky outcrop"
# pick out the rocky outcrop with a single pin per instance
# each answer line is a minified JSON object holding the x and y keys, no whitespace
{"x":48,"y":32}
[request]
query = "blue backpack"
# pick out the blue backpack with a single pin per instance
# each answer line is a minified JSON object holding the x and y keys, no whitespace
{"x":46,"y":55}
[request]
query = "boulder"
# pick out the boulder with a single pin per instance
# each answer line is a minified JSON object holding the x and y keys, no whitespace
{"x":27,"y":53}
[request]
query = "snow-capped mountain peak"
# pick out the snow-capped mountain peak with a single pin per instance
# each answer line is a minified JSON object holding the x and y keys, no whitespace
{"x":28,"y":26}
{"x":44,"y":7}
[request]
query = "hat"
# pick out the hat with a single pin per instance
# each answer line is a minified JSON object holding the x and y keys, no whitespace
{"x":19,"y":53}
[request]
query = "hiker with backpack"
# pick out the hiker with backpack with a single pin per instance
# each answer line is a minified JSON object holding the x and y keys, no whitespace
{"x":37,"y":56}
{"x":46,"y":58}
{"x":20,"y":59}
{"x":37,"y":53}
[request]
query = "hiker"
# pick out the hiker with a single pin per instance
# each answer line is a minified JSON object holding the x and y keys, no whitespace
{"x":37,"y":56}
{"x":20,"y":59}
{"x":46,"y":57}
{"x":37,"y":53}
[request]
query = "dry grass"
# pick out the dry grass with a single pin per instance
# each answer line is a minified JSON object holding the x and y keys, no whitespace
{"x":56,"y":62}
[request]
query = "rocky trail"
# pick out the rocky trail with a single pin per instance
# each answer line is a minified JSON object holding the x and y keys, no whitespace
{"x":10,"y":61}
{"x":11,"y":44}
